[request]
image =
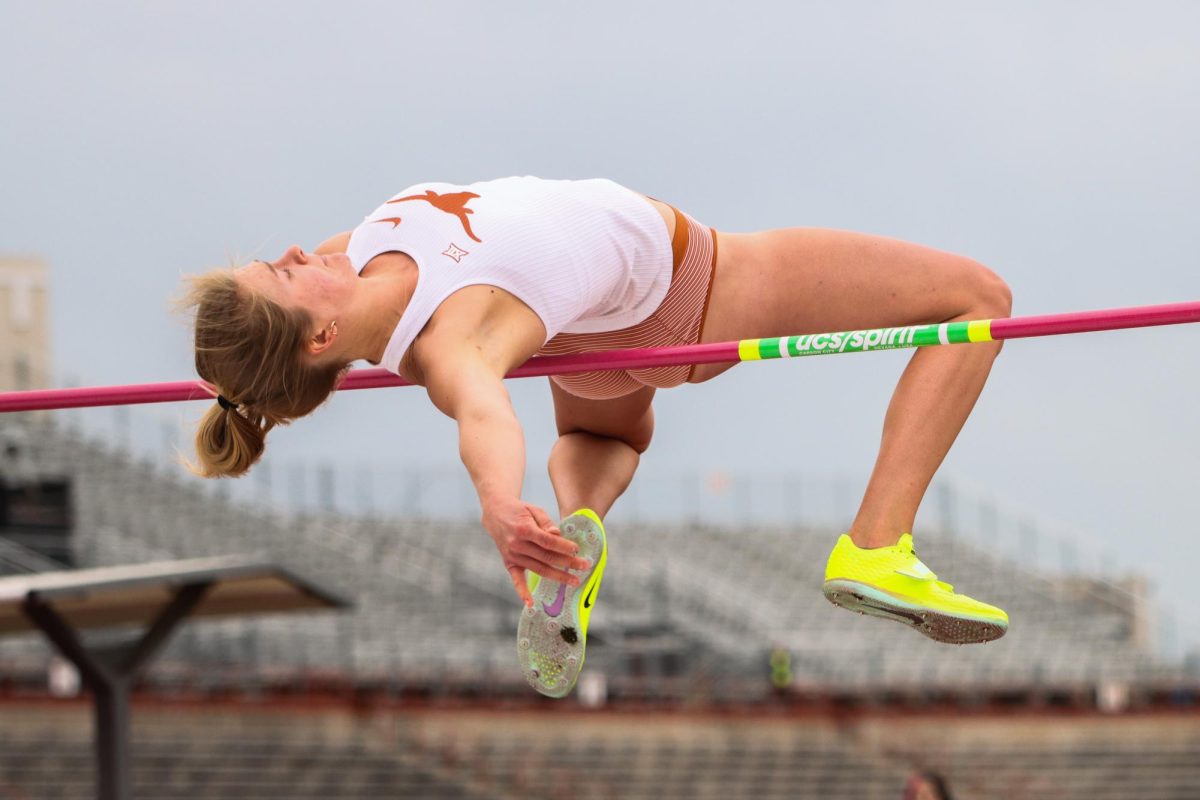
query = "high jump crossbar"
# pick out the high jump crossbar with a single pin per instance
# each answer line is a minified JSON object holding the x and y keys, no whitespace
{"x":810,"y":344}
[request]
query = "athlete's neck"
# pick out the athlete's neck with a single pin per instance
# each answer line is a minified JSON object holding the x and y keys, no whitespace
{"x":386,"y":286}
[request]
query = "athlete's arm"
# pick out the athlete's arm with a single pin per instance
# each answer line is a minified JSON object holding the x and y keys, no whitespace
{"x":490,"y":440}
{"x":464,"y":371}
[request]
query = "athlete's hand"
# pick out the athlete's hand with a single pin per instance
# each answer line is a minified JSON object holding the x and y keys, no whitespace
{"x":528,"y":540}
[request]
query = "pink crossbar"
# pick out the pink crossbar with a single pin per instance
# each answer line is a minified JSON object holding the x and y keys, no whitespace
{"x":716,"y":352}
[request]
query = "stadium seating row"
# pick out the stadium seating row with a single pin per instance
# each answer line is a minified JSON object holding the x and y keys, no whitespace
{"x":432,"y":600}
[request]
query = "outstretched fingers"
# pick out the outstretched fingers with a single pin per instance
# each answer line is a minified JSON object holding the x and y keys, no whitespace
{"x":553,"y":543}
{"x":519,"y":583}
{"x":530,"y":541}
{"x":548,"y":564}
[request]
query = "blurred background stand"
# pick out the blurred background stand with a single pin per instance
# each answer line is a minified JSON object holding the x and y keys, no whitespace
{"x":156,"y":597}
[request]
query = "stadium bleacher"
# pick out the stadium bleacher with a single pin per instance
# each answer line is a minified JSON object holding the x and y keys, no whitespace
{"x":206,"y":752}
{"x":202,"y":756}
{"x":1155,"y":757}
{"x":434,"y":604}
{"x":689,"y":613}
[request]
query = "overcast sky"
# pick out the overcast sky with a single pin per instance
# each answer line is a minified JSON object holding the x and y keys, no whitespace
{"x":1055,"y":142}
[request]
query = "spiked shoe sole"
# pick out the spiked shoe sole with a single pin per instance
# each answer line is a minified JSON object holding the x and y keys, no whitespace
{"x":937,"y":625}
{"x":550,"y":639}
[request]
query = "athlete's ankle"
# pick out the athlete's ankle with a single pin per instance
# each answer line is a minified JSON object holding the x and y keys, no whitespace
{"x":870,"y":540}
{"x":583,"y":508}
{"x":873,"y":530}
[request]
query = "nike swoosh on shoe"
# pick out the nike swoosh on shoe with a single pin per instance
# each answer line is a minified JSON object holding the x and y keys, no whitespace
{"x":555,"y":608}
{"x":918,"y":571}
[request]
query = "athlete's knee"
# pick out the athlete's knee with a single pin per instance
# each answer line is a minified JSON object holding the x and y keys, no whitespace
{"x":634,"y":433}
{"x":638,"y":436}
{"x":636,"y":440}
{"x":991,"y":295}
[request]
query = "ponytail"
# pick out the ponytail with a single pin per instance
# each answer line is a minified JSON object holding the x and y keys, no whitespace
{"x":252,"y":349}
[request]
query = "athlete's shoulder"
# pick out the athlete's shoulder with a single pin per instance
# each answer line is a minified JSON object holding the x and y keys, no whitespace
{"x":334,"y":244}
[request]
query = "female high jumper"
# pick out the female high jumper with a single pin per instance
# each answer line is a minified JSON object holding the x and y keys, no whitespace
{"x":451,"y":287}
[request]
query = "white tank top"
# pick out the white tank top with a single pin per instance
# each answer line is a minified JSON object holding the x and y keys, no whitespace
{"x":587,"y":256}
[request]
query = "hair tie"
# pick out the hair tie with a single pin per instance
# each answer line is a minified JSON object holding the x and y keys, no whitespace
{"x":225,"y":403}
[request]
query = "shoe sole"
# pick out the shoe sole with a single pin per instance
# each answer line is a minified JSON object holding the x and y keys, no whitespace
{"x":937,"y":625}
{"x":550,"y":646}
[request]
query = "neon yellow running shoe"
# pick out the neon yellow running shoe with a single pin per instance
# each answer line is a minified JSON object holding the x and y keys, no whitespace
{"x":552,"y":633}
{"x":892,"y":583}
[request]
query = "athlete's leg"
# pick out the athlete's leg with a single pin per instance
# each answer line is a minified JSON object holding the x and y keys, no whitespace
{"x":591,"y":464}
{"x":801,"y":280}
{"x":599,"y":445}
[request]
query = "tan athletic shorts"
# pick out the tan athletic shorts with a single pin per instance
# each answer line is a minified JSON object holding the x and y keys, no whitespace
{"x":678,"y":320}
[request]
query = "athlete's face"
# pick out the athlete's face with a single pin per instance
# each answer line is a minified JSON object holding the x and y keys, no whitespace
{"x":322,"y":285}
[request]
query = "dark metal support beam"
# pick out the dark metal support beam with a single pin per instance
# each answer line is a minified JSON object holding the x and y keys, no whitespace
{"x":186,"y":599}
{"x":114,"y":768}
{"x":64,"y":638}
{"x":111,"y":679}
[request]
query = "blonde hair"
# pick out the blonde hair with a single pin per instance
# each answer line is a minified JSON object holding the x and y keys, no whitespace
{"x":252,"y":350}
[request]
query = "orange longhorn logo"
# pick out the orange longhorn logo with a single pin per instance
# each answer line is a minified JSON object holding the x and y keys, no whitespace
{"x":454,"y":203}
